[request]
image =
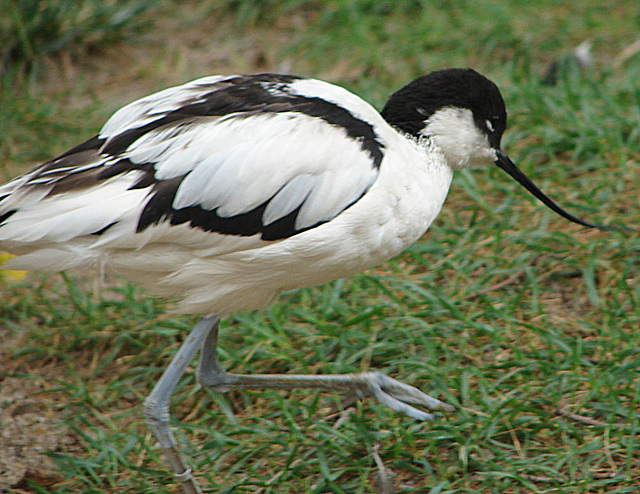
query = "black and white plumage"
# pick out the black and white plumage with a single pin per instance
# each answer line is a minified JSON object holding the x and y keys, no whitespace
{"x":226,"y":191}
{"x":227,"y":182}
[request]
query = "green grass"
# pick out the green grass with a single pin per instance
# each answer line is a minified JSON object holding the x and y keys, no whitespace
{"x":33,"y":29}
{"x":527,"y":323}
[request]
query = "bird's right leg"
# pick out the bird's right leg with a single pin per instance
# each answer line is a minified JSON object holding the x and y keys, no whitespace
{"x":156,"y":405}
{"x":388,"y":391}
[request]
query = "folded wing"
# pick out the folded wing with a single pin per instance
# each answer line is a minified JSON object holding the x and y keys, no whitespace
{"x":260,"y":157}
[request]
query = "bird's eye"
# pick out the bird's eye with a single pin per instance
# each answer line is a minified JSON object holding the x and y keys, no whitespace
{"x":489,"y":125}
{"x":423,"y":112}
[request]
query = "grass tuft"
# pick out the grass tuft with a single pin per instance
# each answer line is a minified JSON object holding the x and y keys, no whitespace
{"x":33,"y":29}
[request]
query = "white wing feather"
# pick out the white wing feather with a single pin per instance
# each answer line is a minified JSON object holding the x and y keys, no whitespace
{"x":234,"y":165}
{"x":150,"y":108}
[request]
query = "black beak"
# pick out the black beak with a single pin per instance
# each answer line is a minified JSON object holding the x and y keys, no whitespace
{"x":507,"y":165}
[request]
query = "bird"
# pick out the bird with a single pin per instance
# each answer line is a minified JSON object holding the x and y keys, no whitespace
{"x":225,"y":191}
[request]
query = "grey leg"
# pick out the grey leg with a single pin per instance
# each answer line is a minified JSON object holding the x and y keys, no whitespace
{"x":386,"y":390}
{"x":156,"y":405}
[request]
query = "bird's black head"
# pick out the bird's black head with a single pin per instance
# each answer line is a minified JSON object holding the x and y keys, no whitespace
{"x":458,"y":109}
{"x":463,"y":89}
{"x":463,"y":114}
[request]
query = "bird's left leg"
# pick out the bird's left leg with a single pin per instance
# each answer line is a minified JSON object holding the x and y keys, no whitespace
{"x":156,"y":405}
{"x":388,"y":391}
